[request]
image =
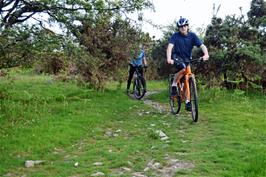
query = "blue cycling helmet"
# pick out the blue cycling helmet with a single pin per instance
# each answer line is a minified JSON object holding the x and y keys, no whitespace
{"x":182,"y":22}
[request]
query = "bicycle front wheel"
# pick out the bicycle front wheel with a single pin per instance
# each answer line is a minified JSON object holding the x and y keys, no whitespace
{"x":174,"y":100}
{"x":139,"y":87}
{"x":193,"y":99}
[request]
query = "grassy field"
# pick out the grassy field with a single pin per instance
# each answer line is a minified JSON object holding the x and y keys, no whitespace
{"x":77,"y":131}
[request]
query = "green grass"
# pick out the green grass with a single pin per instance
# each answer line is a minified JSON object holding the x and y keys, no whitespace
{"x":62,"y":123}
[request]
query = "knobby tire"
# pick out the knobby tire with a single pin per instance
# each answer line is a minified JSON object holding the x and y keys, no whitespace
{"x":193,"y":99}
{"x":139,"y":87}
{"x":175,"y":102}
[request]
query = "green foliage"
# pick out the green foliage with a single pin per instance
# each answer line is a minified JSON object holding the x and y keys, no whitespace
{"x":257,"y":13}
{"x":111,"y":43}
{"x":15,"y":47}
{"x":50,"y":63}
{"x":235,"y":49}
{"x":159,"y":58}
{"x":250,"y":51}
{"x":97,"y":27}
{"x":23,"y":46}
{"x":65,"y":12}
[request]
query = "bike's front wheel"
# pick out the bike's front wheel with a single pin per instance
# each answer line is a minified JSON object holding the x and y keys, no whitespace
{"x":139,"y":87}
{"x":193,"y":99}
{"x":174,"y":100}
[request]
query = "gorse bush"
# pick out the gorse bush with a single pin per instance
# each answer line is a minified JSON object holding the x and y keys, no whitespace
{"x":237,"y":50}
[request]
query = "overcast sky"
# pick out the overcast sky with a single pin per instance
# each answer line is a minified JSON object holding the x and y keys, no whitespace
{"x":199,"y":12}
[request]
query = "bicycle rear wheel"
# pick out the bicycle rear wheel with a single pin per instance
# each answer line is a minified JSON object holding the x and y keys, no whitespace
{"x":193,"y":99}
{"x":139,"y":87}
{"x":175,"y":101}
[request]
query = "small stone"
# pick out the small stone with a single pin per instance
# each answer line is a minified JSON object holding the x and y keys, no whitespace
{"x":98,"y":164}
{"x":146,"y":169}
{"x":156,"y":165}
{"x":164,"y":138}
{"x":119,"y":130}
{"x":98,"y":174}
{"x":76,"y":164}
{"x":29,"y":163}
{"x":36,"y":162}
{"x":109,"y":133}
{"x":161,"y":133}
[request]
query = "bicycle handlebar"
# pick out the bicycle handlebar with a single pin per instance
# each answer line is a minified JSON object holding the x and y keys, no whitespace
{"x":197,"y":60}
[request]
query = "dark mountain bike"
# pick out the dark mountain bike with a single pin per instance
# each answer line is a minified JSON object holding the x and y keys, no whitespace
{"x":175,"y":101}
{"x":139,"y":84}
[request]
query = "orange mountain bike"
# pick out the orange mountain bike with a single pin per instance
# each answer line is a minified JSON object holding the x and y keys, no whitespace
{"x":175,"y":101}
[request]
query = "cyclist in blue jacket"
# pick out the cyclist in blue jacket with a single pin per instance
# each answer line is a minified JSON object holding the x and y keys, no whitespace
{"x":180,"y":47}
{"x":137,"y":62}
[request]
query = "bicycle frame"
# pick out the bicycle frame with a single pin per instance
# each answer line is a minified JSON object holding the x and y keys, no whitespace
{"x":184,"y":85}
{"x":184,"y":79}
{"x":137,"y":72}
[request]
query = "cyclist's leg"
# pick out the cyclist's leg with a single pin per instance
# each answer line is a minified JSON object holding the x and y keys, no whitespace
{"x":130,"y":75}
{"x":179,"y":74}
{"x":180,"y":69}
{"x":140,"y":68}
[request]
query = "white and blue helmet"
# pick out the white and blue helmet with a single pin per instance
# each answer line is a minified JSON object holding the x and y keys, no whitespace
{"x":182,"y":22}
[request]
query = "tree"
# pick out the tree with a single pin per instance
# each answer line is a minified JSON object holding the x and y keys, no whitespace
{"x":101,"y":29}
{"x":24,"y":45}
{"x":257,"y":13}
{"x":65,"y":12}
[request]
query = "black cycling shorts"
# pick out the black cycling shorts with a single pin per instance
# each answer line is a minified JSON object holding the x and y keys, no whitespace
{"x":180,"y":66}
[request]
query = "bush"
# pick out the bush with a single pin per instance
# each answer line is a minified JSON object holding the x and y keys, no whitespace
{"x":50,"y":63}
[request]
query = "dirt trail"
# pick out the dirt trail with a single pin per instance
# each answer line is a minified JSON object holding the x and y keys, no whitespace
{"x":158,"y":106}
{"x":172,"y":165}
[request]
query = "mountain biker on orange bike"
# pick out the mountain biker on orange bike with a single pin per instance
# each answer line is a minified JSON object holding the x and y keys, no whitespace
{"x":136,"y":62}
{"x":180,"y":47}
